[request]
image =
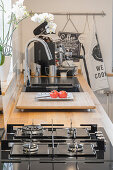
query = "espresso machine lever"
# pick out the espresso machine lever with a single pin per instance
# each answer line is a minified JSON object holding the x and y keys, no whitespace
{"x":27,"y":70}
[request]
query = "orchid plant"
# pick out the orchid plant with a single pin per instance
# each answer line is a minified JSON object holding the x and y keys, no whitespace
{"x":14,"y":17}
{"x":40,"y":18}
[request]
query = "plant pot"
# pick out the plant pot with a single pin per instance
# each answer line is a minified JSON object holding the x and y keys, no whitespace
{"x":4,"y":69}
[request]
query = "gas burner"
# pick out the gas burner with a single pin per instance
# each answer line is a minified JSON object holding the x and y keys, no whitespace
{"x":30,"y":148}
{"x":32,"y":130}
{"x":75,"y":148}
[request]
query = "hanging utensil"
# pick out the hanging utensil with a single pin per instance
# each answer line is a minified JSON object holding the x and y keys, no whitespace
{"x":69,"y":19}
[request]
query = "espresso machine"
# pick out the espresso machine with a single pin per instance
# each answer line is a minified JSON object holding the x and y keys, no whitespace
{"x":51,"y":62}
{"x":55,"y":69}
{"x":61,"y":64}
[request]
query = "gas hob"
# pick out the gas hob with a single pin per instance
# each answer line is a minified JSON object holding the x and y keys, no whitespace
{"x":55,"y":147}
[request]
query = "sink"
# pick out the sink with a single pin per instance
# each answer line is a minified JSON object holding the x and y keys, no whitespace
{"x":47,"y":84}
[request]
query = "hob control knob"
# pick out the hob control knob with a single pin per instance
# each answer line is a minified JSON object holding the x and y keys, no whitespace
{"x":93,"y":127}
{"x":99,"y":135}
{"x":98,"y":132}
{"x":101,"y":144}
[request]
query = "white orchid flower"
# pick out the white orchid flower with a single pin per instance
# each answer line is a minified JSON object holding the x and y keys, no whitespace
{"x":50,"y":17}
{"x":20,"y":2}
{"x":51,"y":27}
{"x":34,"y":18}
{"x":19,"y":11}
{"x":41,"y":18}
{"x":45,"y":16}
{"x":38,"y":18}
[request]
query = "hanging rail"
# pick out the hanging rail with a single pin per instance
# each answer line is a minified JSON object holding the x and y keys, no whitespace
{"x":70,"y":13}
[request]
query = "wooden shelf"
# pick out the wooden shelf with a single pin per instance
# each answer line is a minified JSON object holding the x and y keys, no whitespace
{"x":110,"y":74}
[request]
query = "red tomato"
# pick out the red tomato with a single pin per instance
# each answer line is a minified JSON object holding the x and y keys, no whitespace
{"x":54,"y":94}
{"x":62,"y":94}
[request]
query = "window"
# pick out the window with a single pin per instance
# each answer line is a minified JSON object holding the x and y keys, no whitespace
{"x":7,"y":7}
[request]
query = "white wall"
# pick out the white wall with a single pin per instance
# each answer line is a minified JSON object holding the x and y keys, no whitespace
{"x":104,"y":24}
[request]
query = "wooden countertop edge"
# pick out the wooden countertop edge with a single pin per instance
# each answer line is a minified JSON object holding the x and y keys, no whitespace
{"x":110,"y":74}
{"x":57,"y":108}
{"x":1,"y":108}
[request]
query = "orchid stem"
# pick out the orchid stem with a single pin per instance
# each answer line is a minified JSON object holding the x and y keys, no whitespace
{"x":6,"y":38}
{"x":2,"y":6}
{"x":10,"y":37}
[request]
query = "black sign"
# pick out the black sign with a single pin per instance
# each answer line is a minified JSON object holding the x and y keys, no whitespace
{"x":71,"y":42}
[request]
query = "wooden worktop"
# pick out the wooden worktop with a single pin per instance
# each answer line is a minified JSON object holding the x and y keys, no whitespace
{"x":97,"y":116}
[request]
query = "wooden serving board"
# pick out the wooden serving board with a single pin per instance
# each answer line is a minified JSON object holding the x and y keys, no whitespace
{"x":40,"y":97}
{"x":82,"y":100}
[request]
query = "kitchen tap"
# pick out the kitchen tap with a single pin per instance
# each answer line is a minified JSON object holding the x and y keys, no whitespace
{"x":48,"y":52}
{"x":61,"y":54}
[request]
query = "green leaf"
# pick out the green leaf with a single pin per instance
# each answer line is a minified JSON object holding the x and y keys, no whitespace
{"x":2,"y":59}
{"x":1,"y":48}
